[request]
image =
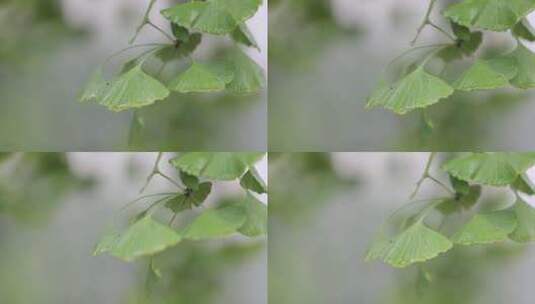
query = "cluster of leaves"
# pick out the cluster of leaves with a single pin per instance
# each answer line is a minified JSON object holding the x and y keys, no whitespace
{"x":146,"y":236}
{"x":415,"y":241}
{"x":236,"y":73}
{"x":417,"y":88}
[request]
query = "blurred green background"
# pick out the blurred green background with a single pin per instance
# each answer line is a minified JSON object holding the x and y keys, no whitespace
{"x":49,"y":49}
{"x":54,"y":208}
{"x":325,"y":210}
{"x":326,"y":56}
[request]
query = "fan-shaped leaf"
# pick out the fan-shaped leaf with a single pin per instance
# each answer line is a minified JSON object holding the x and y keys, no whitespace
{"x":525,"y":59}
{"x":144,"y":237}
{"x":216,"y":165}
{"x":189,"y":180}
{"x":486,"y":228}
{"x":248,"y":75}
{"x":252,"y":181}
{"x":212,"y":16}
{"x":525,"y":216}
{"x":95,"y":88}
{"x":106,"y":243}
{"x":133,"y":89}
{"x":191,"y":198}
{"x":485,"y":75}
{"x":495,"y":15}
{"x":243,"y":35}
{"x":496,"y":169}
{"x":216,"y":223}
{"x":202,"y":78}
{"x":256,"y":216}
{"x":524,"y":30}
{"x":419,"y":89}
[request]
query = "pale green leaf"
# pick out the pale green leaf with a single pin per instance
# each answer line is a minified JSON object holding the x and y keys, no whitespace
{"x":525,"y":60}
{"x":524,"y":184}
{"x":212,"y":16}
{"x":216,"y":165}
{"x":253,"y":181}
{"x":144,"y":237}
{"x":496,"y":169}
{"x":134,"y":89}
{"x":418,"y":89}
{"x":495,"y":15}
{"x":484,"y":75}
{"x":243,"y":35}
{"x":248,"y":75}
{"x":202,"y":78}
{"x":216,"y":223}
{"x":106,"y":243}
{"x":256,"y":214}
{"x":95,"y":88}
{"x":525,"y":216}
{"x":486,"y":228}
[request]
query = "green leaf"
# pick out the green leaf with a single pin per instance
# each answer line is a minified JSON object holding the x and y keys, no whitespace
{"x":495,"y":15}
{"x":487,"y":228}
{"x":181,"y":33}
{"x":418,"y":89}
{"x":191,"y":198}
{"x":216,"y":165}
{"x":524,"y":30}
{"x":106,"y":243}
{"x":525,"y":216}
{"x":202,"y":78}
{"x":243,"y":35}
{"x":256,"y":216}
{"x":461,"y":187}
{"x":252,"y":181}
{"x":525,"y":59}
{"x":524,"y":184}
{"x":217,"y":17}
{"x":95,"y":88}
{"x":133,"y":89}
{"x":183,"y":49}
{"x":216,"y":223}
{"x":495,"y":169}
{"x":467,"y":41}
{"x":190,"y":181}
{"x":416,"y":244}
{"x":145,"y":237}
{"x":487,"y":74}
{"x":248,"y":75}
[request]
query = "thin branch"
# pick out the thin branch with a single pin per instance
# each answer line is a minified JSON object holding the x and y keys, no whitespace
{"x":154,"y":171}
{"x":424,"y":22}
{"x":144,"y":22}
{"x":441,"y":184}
{"x":425,"y":175}
{"x":442,"y":31}
{"x":159,"y":29}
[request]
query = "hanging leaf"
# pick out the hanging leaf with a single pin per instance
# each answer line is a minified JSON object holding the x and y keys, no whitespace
{"x":487,"y":228}
{"x":248,"y":75}
{"x":95,"y":88}
{"x":216,"y":165}
{"x":189,"y":180}
{"x":524,"y":184}
{"x":495,"y":169}
{"x":202,"y":78}
{"x":416,"y":244}
{"x":106,"y":243}
{"x":191,"y":198}
{"x":217,"y":17}
{"x":495,"y":15}
{"x":418,"y":89}
{"x":256,"y":217}
{"x":144,"y":237}
{"x":243,"y":35}
{"x":252,"y":181}
{"x":181,"y":33}
{"x":467,"y":41}
{"x":182,"y":50}
{"x":133,"y":89}
{"x":525,"y":216}
{"x":487,"y":74}
{"x":525,"y":59}
{"x":524,"y":30}
{"x":216,"y":223}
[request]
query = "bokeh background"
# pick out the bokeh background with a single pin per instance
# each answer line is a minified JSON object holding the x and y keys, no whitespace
{"x":54,"y":208}
{"x":325,"y":210}
{"x":326,"y":56}
{"x":49,"y":49}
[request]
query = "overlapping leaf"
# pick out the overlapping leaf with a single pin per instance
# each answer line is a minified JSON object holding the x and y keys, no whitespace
{"x":524,"y":30}
{"x":416,"y":244}
{"x":253,"y":181}
{"x":243,"y":35}
{"x":525,"y":62}
{"x":249,"y":77}
{"x":203,"y":78}
{"x":216,"y":223}
{"x":212,"y":16}
{"x":95,"y":88}
{"x":216,"y":165}
{"x":487,"y":228}
{"x":191,"y":198}
{"x":256,"y":217}
{"x":487,"y":74}
{"x":524,"y":184}
{"x":525,"y":216}
{"x":495,"y":15}
{"x":133,"y":89}
{"x":418,"y":89}
{"x":496,"y":169}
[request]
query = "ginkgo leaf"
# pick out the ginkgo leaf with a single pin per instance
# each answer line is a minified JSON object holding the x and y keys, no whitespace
{"x":486,"y":228}
{"x":524,"y":184}
{"x":256,"y":216}
{"x":524,"y":30}
{"x":191,"y":198}
{"x":495,"y":15}
{"x":106,"y":243}
{"x":248,"y":75}
{"x":190,"y":181}
{"x":212,"y":16}
{"x":216,"y":223}
{"x":418,"y":243}
{"x":202,"y":78}
{"x":484,"y":75}
{"x":495,"y":169}
{"x":144,"y":237}
{"x":418,"y":89}
{"x":525,"y":217}
{"x":243,"y":35}
{"x":216,"y":165}
{"x":95,"y":88}
{"x":133,"y":89}
{"x":525,"y":62}
{"x":252,"y":181}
